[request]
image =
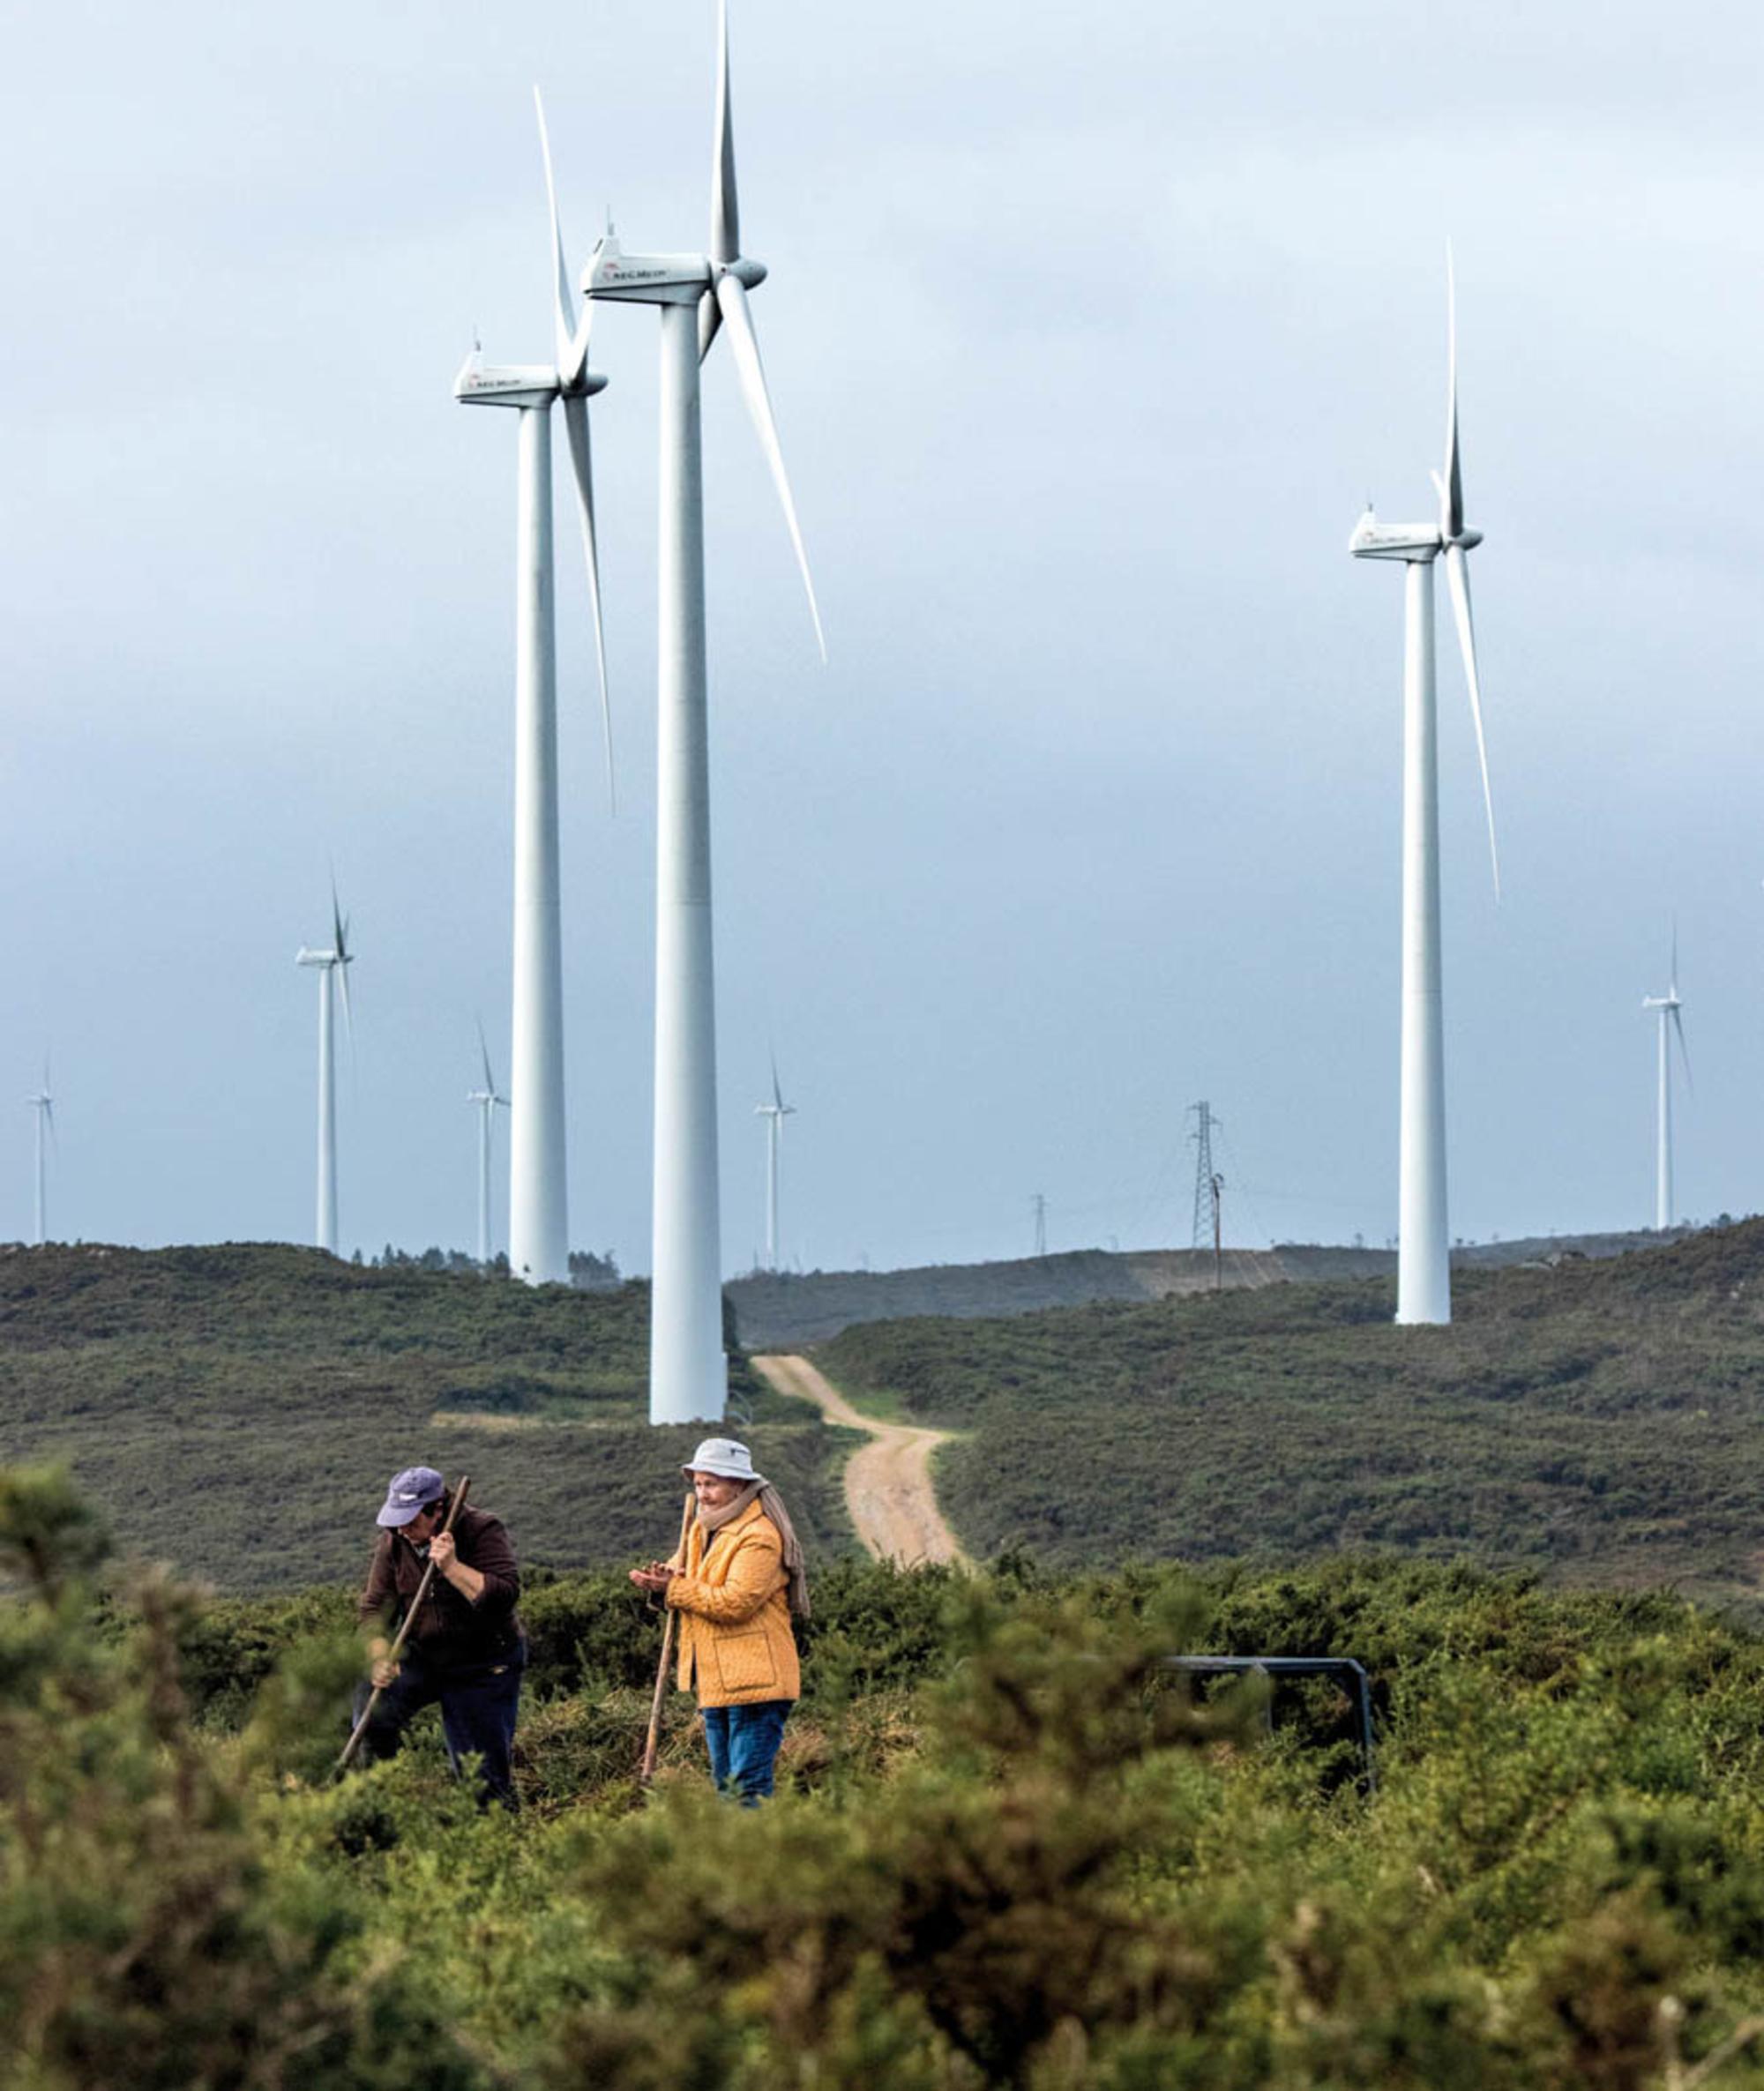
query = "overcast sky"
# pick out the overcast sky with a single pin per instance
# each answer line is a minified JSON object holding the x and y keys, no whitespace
{"x":1089,"y":332}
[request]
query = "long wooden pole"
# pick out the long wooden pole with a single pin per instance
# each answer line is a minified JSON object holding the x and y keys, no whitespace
{"x":409,"y":1620}
{"x":652,"y":1741}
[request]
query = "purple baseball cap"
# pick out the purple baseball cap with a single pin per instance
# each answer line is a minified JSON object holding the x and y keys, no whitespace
{"x":409,"y":1494}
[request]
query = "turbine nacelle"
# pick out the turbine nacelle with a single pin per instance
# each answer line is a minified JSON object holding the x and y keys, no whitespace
{"x":646,"y":279}
{"x":304,"y":957}
{"x":505,"y":384}
{"x":519,"y":385}
{"x":1374,"y":540}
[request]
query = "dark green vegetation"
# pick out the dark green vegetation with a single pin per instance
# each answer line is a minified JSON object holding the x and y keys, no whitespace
{"x":783,"y":1310}
{"x":237,"y":1410}
{"x":1600,"y":1421}
{"x":1010,"y":1852}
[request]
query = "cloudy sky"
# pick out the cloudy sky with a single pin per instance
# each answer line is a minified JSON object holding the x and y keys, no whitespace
{"x":1089,"y":333}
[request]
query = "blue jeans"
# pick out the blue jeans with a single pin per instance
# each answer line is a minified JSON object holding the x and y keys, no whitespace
{"x":478,"y":1702}
{"x":743,"y":1746}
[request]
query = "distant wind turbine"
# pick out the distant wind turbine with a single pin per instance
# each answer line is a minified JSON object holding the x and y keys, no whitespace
{"x":335,"y":961}
{"x":697,"y":295}
{"x":43,"y":1104}
{"x":1671,"y":1020}
{"x":487,"y":1100}
{"x":1423,"y":1285}
{"x":538,"y":1198}
{"x":774,"y":1114}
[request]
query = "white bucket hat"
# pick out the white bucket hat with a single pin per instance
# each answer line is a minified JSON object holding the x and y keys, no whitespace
{"x":723,"y":1456}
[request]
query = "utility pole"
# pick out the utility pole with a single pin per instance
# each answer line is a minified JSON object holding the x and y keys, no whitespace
{"x":1205,"y":1202}
{"x":1038,"y":1207}
{"x":1216,"y":1184}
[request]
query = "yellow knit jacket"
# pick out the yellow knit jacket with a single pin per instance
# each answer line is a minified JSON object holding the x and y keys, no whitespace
{"x":735,"y":1643}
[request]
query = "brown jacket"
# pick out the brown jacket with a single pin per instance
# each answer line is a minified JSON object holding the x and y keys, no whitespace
{"x":735,"y":1644}
{"x":450,"y":1629}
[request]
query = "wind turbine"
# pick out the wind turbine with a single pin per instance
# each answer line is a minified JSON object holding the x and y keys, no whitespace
{"x":538,"y":1204}
{"x":336,"y":961}
{"x":43,"y":1104}
{"x":486,"y":1099}
{"x":1424,"y":1284}
{"x":774,"y":1114}
{"x":697,"y":295}
{"x":1671,"y":1019}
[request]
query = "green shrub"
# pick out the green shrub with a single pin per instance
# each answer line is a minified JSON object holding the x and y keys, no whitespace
{"x":1009,"y":1848}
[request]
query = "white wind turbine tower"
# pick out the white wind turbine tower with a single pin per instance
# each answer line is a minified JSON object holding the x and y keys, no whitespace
{"x":336,"y":961}
{"x":43,"y":1104}
{"x":487,"y":1100}
{"x":538,"y":1204}
{"x":1671,"y":1019}
{"x":697,"y":295}
{"x":1423,"y":1285}
{"x":774,"y":1114}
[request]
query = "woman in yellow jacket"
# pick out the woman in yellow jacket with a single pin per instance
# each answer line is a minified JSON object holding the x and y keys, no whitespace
{"x":735,"y":1586}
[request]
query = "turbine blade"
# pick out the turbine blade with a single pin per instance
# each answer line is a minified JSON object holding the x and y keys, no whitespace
{"x":573,"y":341}
{"x":340,"y":929}
{"x":576,"y":424}
{"x":732,"y":297}
{"x":484,"y":1050}
{"x":1451,"y":492}
{"x":777,"y":1093}
{"x":725,"y":209}
{"x":342,"y":971}
{"x":1673,"y":986}
{"x":1684,"y":1051}
{"x":1458,"y":574}
{"x":710,"y":320}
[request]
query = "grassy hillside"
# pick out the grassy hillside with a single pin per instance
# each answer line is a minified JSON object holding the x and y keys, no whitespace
{"x":783,"y":1310}
{"x":1599,"y":1421}
{"x":236,"y":1410}
{"x":1009,"y":1851}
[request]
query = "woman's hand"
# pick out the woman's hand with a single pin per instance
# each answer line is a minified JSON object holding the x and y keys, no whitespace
{"x":657,"y":1576}
{"x":442,"y":1551}
{"x":383,"y":1669}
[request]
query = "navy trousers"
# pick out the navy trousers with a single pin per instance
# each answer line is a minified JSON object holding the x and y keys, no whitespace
{"x":743,"y":1746}
{"x":478,"y":1702}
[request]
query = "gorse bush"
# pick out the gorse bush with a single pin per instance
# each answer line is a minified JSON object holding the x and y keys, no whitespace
{"x":1011,"y":1848}
{"x":142,"y":1940}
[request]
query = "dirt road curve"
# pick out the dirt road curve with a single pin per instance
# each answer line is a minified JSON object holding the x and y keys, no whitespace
{"x":887,"y":1483}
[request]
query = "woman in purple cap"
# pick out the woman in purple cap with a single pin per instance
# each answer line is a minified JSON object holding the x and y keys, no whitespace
{"x":736,"y":1587}
{"x":466,"y":1647}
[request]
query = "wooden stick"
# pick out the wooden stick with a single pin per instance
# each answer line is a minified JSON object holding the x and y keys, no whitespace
{"x":652,"y":1741}
{"x":415,"y":1605}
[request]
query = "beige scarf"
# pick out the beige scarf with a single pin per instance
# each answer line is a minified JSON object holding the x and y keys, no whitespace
{"x":712,"y":1521}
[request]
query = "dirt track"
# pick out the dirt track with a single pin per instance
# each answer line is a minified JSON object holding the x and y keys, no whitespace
{"x":888,"y":1482}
